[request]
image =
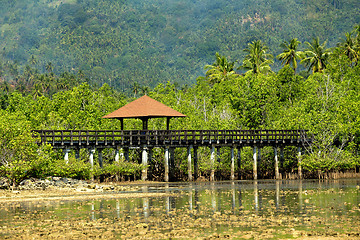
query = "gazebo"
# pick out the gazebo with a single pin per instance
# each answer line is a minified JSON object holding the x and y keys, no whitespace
{"x":144,"y":108}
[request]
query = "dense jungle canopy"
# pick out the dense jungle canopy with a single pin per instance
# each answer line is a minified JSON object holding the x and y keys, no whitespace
{"x":122,"y":42}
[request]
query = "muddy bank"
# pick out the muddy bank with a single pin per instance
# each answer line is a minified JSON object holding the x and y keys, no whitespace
{"x":56,"y":188}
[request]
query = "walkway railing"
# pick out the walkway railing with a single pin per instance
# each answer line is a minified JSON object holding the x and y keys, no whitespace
{"x":133,"y":138}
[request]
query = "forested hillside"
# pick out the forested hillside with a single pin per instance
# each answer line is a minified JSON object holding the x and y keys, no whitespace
{"x":326,"y":103}
{"x":123,"y":42}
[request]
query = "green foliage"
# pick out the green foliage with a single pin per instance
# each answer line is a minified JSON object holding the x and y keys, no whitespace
{"x":325,"y":101}
{"x":18,"y":149}
{"x":118,"y":170}
{"x":151,"y":42}
{"x":73,"y":169}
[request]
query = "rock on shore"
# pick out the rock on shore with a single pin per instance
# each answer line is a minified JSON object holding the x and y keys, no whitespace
{"x":66,"y":183}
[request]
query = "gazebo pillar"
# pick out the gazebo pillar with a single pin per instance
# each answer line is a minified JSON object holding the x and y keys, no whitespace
{"x":168,"y":123}
{"x":122,"y":124}
{"x":145,"y":123}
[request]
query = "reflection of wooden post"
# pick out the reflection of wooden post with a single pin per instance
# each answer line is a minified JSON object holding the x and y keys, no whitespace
{"x":277,"y":204}
{"x":146,"y":205}
{"x":277,"y":175}
{"x":196,"y":166}
{"x":189,"y":164}
{"x":299,"y":163}
{"x":166,"y":165}
{"x":255,"y":163}
{"x":232,"y":164}
{"x":256,"y":196}
{"x":212,"y":162}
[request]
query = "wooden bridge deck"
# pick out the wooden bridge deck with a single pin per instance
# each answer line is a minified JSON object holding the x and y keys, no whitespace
{"x":171,"y":138}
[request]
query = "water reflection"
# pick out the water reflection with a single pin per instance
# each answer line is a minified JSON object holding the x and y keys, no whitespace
{"x":145,"y":200}
{"x":206,"y":199}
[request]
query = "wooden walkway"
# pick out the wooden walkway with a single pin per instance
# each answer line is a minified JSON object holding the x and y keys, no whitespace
{"x":173,"y":138}
{"x":97,"y":140}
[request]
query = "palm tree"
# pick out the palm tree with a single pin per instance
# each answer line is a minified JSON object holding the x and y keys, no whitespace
{"x":290,"y":55}
{"x":36,"y":92}
{"x":357,"y":32}
{"x":49,"y":67}
{"x":145,"y":90}
{"x":257,"y":60}
{"x":350,"y":48}
{"x":316,"y":56}
{"x":33,"y":61}
{"x":220,"y":70}
{"x":136,"y":88}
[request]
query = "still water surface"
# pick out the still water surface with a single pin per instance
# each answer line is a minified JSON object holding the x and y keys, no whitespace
{"x":255,"y":209}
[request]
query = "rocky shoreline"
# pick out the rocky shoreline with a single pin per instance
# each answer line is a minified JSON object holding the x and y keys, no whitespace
{"x":63,"y":183}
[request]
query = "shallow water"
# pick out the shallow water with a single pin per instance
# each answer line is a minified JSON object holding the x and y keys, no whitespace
{"x":239,"y":210}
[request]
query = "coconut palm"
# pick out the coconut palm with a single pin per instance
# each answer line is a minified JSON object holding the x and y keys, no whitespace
{"x":290,"y":55}
{"x":136,"y":88}
{"x":316,"y":56}
{"x":220,"y":70}
{"x":49,"y":67}
{"x":257,"y":60}
{"x":349,"y":47}
{"x":145,"y":90}
{"x":357,"y":32}
{"x":33,"y":61}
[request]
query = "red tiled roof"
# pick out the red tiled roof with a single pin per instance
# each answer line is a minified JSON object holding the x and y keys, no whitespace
{"x":144,"y":107}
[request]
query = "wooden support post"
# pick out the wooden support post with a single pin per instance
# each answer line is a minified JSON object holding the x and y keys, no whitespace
{"x":91,"y":160}
{"x":299,"y":163}
{"x":66,"y":155}
{"x":144,"y":163}
{"x":150,"y":153}
{"x":126,"y":154}
{"x":239,"y":162}
{"x":212,"y":162}
{"x":171,"y":163}
{"x":100,"y":157}
{"x":218,"y":159}
{"x":232,"y":164}
{"x":91,"y":157}
{"x":189,"y":163}
{"x":121,"y":124}
{"x":282,"y":162}
{"x":259,"y":155}
{"x":196,"y":166}
{"x":255,"y":163}
{"x":77,"y":153}
{"x":277,"y":174}
{"x":168,"y":123}
{"x":117,"y":155}
{"x":166,"y":165}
